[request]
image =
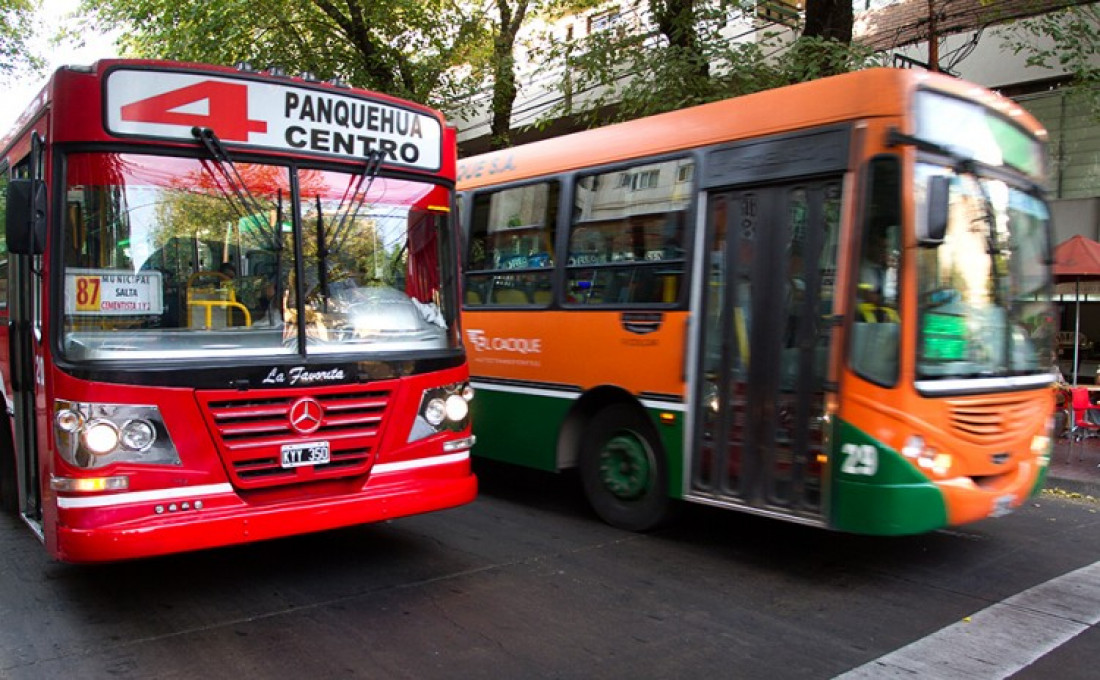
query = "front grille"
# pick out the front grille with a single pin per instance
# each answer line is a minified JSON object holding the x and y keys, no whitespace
{"x":251,"y":428}
{"x":994,"y":418}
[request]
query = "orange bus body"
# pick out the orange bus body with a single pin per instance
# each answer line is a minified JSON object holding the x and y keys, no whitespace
{"x":850,"y":451}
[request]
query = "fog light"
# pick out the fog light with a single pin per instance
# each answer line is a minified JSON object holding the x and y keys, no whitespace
{"x":468,"y":392}
{"x":138,"y":435}
{"x":1040,"y":446}
{"x":69,"y":420}
{"x":435,"y":412}
{"x":456,"y":408}
{"x":100,"y":437}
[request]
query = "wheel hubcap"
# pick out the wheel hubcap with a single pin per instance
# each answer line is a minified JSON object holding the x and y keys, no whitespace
{"x":624,"y":466}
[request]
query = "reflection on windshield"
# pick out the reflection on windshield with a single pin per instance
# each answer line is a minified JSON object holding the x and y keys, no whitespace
{"x":984,"y":292}
{"x":372,"y":265}
{"x":162,"y":260}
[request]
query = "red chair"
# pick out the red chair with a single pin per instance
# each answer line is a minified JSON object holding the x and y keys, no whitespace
{"x":1086,"y":415}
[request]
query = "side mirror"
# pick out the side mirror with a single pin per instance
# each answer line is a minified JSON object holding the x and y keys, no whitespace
{"x":935,"y":227}
{"x":26,"y":217}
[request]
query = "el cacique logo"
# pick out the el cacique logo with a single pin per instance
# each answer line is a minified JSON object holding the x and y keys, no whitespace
{"x":483,"y":342}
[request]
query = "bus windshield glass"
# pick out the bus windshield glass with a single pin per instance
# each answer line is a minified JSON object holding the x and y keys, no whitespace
{"x":984,"y":292}
{"x":970,"y":130}
{"x":168,"y":258}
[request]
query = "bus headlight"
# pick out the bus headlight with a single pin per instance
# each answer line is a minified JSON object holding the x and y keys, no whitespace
{"x":442,"y":409}
{"x":456,"y":408}
{"x":927,"y":457}
{"x":94,"y":435}
{"x":435,"y":412}
{"x":100,"y":437}
{"x":138,"y":435}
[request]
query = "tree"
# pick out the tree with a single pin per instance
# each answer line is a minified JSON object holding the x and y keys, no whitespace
{"x":680,"y":53}
{"x":16,"y":26}
{"x":1067,"y":40}
{"x":511,"y":16}
{"x":829,"y":19}
{"x":402,"y":47}
{"x":493,"y":67}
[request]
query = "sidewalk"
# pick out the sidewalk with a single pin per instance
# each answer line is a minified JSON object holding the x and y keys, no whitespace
{"x":1075,"y":466}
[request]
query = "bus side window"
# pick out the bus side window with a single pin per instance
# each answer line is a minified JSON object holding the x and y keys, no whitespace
{"x":874,"y":343}
{"x":626,"y":239}
{"x":510,"y":253}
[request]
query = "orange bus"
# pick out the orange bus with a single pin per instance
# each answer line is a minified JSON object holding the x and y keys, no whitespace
{"x":228,"y":310}
{"x":827,"y":303}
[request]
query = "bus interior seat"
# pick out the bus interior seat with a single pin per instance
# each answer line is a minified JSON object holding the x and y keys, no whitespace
{"x":872,"y":313}
{"x":509,"y":296}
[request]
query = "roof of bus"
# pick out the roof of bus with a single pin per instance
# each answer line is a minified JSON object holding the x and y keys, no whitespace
{"x":41,"y":101}
{"x":861,"y":94}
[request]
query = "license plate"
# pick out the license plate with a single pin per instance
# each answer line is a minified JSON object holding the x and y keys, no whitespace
{"x":1002,"y":506}
{"x":308,"y":453}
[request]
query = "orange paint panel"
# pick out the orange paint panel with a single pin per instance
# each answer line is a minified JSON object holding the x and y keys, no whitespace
{"x":577,"y":348}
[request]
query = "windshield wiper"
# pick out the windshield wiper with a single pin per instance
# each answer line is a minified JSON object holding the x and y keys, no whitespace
{"x":342,"y":229}
{"x":963,"y":165}
{"x":247,"y":207}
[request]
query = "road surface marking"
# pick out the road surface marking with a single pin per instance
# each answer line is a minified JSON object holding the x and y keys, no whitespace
{"x":1002,"y":639}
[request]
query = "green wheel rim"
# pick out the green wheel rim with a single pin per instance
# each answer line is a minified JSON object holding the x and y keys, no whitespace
{"x":625,"y":467}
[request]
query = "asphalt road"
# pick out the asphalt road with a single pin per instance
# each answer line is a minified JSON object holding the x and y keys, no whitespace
{"x":526,"y":583}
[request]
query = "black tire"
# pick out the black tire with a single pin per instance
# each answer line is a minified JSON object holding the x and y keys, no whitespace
{"x":623,"y":469}
{"x":9,"y":485}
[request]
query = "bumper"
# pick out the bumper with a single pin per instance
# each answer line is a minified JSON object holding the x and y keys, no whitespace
{"x":899,"y":509}
{"x":183,"y":520}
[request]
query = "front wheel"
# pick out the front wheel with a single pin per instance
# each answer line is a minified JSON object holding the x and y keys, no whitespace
{"x":623,"y":469}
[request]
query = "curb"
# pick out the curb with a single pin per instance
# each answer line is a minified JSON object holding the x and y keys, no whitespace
{"x":1083,"y":487}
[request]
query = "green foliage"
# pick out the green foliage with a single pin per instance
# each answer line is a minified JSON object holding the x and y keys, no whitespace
{"x":1067,"y":41}
{"x":16,"y":27}
{"x":687,"y":58}
{"x":401,"y":47}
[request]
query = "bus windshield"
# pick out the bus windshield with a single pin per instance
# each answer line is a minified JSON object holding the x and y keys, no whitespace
{"x":164,"y":258}
{"x":984,"y":293}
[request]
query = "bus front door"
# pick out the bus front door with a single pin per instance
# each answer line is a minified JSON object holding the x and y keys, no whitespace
{"x":766,"y":332}
{"x":25,"y":429}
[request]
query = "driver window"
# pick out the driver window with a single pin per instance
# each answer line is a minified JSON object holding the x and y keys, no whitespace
{"x":875,"y":336}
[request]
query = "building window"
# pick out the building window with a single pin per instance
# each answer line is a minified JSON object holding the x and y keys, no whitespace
{"x":602,"y":22}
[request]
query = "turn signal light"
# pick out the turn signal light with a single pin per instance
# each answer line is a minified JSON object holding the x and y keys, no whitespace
{"x":90,"y":484}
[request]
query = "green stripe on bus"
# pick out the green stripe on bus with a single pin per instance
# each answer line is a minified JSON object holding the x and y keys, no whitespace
{"x":518,"y":428}
{"x":877,"y":491}
{"x":672,"y":439}
{"x":1041,"y":481}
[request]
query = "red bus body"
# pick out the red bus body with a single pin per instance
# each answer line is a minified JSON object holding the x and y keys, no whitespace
{"x":238,"y":429}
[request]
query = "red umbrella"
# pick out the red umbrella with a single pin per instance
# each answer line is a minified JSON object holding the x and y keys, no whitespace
{"x":1076,"y":258}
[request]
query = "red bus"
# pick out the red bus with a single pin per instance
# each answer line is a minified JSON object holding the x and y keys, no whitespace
{"x":230,"y":310}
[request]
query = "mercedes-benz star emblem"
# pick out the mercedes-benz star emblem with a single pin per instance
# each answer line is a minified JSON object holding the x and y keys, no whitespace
{"x":305,"y":415}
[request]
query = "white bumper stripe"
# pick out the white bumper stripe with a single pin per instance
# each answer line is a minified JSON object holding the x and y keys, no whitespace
{"x":188,"y":492}
{"x":383,"y":468}
{"x":192,"y":493}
